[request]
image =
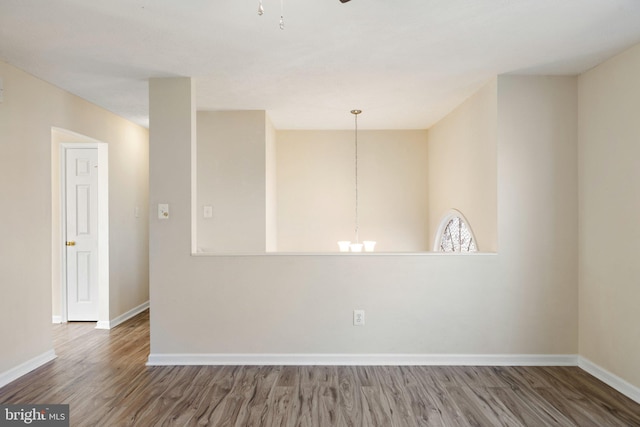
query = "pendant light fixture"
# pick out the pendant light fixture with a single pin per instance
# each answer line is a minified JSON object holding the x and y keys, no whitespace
{"x":347,"y":245}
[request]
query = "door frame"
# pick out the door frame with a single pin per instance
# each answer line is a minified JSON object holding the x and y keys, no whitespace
{"x":103,"y":229}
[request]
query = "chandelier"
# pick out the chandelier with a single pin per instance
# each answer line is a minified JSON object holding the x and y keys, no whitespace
{"x":347,"y":245}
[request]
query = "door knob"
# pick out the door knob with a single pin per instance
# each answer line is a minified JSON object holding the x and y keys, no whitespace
{"x":72,"y":243}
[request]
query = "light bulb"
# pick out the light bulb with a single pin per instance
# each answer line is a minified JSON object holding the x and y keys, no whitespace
{"x":356,"y":247}
{"x":260,"y":8}
{"x":369,"y":245}
{"x":343,"y":245}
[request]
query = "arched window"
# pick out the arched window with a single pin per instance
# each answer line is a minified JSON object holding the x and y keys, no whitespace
{"x":455,"y":235}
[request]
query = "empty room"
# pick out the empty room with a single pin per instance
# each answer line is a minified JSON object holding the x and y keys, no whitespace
{"x":319,"y":213}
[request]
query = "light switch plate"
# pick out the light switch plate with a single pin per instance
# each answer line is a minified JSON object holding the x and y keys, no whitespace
{"x":207,"y":212}
{"x":163,"y":211}
{"x":358,"y":317}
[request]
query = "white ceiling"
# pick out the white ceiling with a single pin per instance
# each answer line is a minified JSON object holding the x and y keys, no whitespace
{"x":405,"y":63}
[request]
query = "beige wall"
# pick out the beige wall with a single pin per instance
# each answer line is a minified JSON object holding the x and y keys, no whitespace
{"x":30,"y":109}
{"x":462,"y":167}
{"x":522,"y":300}
{"x":538,"y":206}
{"x":609,"y":153}
{"x":231,"y":147}
{"x":271,"y":184}
{"x":316,"y":190}
{"x":172,"y":138}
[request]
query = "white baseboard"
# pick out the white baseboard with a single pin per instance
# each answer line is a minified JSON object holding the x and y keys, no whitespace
{"x":629,"y":390}
{"x":56,"y":319}
{"x":365,"y":359}
{"x":603,"y":375}
{"x":110,"y":324}
{"x":103,"y":324}
{"x":26,"y":367}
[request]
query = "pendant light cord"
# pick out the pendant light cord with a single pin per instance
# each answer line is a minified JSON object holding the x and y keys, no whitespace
{"x":282,"y":14}
{"x":356,"y":168}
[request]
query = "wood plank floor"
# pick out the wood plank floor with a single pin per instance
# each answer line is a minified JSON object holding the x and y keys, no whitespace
{"x":103,"y":377}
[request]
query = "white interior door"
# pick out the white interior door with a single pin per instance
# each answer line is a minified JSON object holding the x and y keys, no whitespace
{"x":81,"y":182}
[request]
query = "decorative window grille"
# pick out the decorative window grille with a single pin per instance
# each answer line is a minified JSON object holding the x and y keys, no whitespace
{"x":455,"y":234}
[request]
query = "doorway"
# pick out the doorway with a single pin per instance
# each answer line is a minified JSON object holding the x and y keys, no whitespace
{"x":80,"y":243}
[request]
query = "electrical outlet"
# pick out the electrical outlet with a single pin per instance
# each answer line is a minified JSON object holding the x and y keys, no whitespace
{"x":358,"y":317}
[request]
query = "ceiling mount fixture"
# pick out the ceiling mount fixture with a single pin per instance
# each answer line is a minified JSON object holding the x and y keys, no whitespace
{"x":346,"y":245}
{"x":261,"y":12}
